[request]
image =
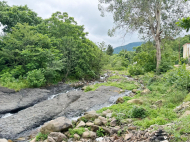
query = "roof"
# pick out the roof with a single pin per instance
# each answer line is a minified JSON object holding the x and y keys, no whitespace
{"x":186,"y":43}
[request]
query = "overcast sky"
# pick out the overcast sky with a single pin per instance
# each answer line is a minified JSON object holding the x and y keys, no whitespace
{"x":85,"y":13}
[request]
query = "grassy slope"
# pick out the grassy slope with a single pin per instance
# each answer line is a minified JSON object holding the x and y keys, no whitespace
{"x":170,"y":96}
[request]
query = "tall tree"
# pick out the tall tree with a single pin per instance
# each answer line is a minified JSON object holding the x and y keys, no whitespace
{"x":110,"y":50}
{"x":154,"y":19}
{"x":10,"y":16}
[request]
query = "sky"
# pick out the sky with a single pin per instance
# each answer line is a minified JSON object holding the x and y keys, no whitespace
{"x":85,"y":13}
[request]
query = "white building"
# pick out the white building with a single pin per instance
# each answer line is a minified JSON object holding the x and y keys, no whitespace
{"x":186,"y":50}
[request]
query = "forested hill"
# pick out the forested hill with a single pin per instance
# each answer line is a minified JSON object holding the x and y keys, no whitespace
{"x":128,"y":47}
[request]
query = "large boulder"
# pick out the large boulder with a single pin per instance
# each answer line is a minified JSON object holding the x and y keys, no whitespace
{"x":70,"y":105}
{"x":58,"y":125}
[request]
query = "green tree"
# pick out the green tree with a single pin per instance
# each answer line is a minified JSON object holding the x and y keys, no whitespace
{"x":110,"y":50}
{"x":154,"y":19}
{"x":10,"y":16}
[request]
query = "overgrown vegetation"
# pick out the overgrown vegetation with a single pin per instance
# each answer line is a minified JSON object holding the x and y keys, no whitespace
{"x":78,"y":131}
{"x":39,"y":51}
{"x":41,"y":137}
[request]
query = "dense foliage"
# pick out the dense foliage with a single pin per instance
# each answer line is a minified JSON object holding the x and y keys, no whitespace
{"x":48,"y":51}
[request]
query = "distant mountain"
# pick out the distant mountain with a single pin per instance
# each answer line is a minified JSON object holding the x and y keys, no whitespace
{"x":128,"y":47}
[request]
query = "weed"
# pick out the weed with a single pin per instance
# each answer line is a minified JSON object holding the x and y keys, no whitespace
{"x":78,"y":131}
{"x":100,"y":132}
{"x":41,"y":137}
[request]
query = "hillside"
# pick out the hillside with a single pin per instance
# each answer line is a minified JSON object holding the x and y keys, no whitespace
{"x":128,"y":47}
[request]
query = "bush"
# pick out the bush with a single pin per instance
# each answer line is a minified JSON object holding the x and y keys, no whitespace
{"x":138,"y":112}
{"x":36,"y":78}
{"x":135,"y":70}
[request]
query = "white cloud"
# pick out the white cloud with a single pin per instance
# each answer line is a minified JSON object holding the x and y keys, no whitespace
{"x":85,"y":13}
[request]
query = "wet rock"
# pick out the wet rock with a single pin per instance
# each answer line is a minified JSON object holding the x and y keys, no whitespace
{"x":98,"y":122}
{"x":120,"y":101}
{"x":128,"y":136}
{"x":58,"y":125}
{"x":81,"y":124}
{"x":113,"y":123}
{"x":57,"y":136}
{"x":89,"y":134}
{"x":146,"y":91}
{"x":135,"y":101}
{"x":76,"y":137}
{"x":89,"y":124}
{"x":3,"y":140}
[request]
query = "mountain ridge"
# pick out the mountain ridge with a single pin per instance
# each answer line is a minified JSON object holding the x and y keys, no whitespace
{"x":128,"y":47}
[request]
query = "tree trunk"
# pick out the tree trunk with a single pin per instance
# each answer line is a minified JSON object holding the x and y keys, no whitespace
{"x":158,"y":54}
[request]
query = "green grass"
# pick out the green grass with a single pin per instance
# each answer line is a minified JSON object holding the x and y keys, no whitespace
{"x":16,"y":84}
{"x":115,"y":77}
{"x":41,"y":137}
{"x":122,"y":85}
{"x":78,"y":131}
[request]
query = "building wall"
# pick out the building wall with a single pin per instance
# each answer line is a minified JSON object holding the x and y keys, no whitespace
{"x":186,"y":50}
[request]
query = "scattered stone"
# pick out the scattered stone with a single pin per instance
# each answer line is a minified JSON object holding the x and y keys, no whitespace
{"x":113,"y":123}
{"x":98,"y":122}
{"x":86,"y":129}
{"x":89,"y":124}
{"x":50,"y":139}
{"x":126,"y":121}
{"x":115,"y":130}
{"x":153,"y":106}
{"x":120,"y":101}
{"x":128,"y":136}
{"x":158,"y":103}
{"x":132,"y":128}
{"x":81,"y":124}
{"x":146,"y":91}
{"x":90,"y":115}
{"x":89,"y":134}
{"x":76,"y":137}
{"x":57,"y":136}
{"x":183,"y":106}
{"x":108,"y":115}
{"x":104,"y":113}
{"x":185,"y":114}
{"x":134,"y":91}
{"x":135,"y":101}
{"x":58,"y":125}
{"x":103,"y":119}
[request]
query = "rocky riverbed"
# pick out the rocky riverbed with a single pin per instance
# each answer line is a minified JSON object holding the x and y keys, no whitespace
{"x":31,"y":107}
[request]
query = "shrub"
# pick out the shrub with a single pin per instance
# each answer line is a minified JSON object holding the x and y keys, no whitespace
{"x":35,"y":78}
{"x":135,"y":70}
{"x":138,"y":112}
{"x":41,"y":137}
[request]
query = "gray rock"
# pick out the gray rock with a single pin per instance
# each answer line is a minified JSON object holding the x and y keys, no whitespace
{"x":113,"y":123}
{"x":109,"y":115}
{"x":58,"y":125}
{"x":128,"y":136}
{"x":71,"y":104}
{"x":76,"y":137}
{"x":89,"y":124}
{"x":81,"y":124}
{"x":103,"y":119}
{"x":57,"y":136}
{"x":89,"y":134}
{"x":98,"y":122}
